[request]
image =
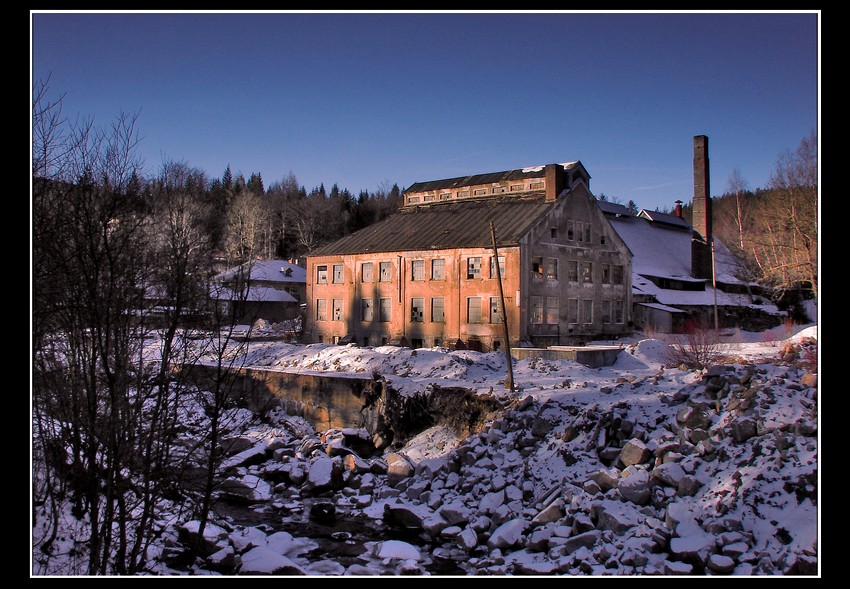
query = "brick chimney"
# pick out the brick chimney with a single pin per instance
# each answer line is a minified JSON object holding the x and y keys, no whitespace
{"x":554,"y":181}
{"x":702,"y":235}
{"x":678,"y":210}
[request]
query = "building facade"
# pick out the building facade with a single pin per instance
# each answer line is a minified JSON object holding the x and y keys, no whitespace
{"x":428,"y":276}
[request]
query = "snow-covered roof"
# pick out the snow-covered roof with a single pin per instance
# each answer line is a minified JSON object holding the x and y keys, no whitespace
{"x":270,"y":271}
{"x":659,"y":217}
{"x":255,"y":294}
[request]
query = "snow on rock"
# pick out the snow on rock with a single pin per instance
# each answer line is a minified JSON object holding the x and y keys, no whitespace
{"x":508,"y":534}
{"x":263,"y":560}
{"x":396,"y":550}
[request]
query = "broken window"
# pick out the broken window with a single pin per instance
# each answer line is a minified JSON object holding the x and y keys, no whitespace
{"x":572,"y":311}
{"x":473,"y":309}
{"x":437,"y":310}
{"x":587,"y":233}
{"x":438,"y":269}
{"x":571,"y":230}
{"x":606,"y":274}
{"x":366,"y":310}
{"x":552,"y":268}
{"x":606,"y":311}
{"x":618,"y":311}
{"x":537,"y":268}
{"x":587,"y":310}
{"x":321,"y":309}
{"x":552,"y":310}
{"x":587,"y":272}
{"x":473,"y":268}
{"x":337,"y":310}
{"x":536,"y":310}
{"x":417,"y":270}
{"x":495,"y":310}
{"x":337,"y":275}
{"x":368,"y":272}
{"x":417,"y":310}
{"x":579,"y":231}
{"x":321,"y":274}
{"x":493,"y":267}
{"x":385,"y":310}
{"x":386,"y":272}
{"x":617,"y":275}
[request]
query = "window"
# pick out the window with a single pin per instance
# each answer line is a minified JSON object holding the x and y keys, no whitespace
{"x":413,"y":199}
{"x":587,"y":272}
{"x":417,"y":310}
{"x":516,"y":187}
{"x":429,"y":198}
{"x":437,"y":312}
{"x":618,"y":311}
{"x":386,"y":272}
{"x":337,"y":275}
{"x":498,"y":189}
{"x":479,"y":192}
{"x":473,"y":268}
{"x":321,"y":309}
{"x":552,"y":268}
{"x":572,"y":311}
{"x":536,"y":186}
{"x":552,"y":310}
{"x":337,"y":310}
{"x":617,"y":275}
{"x":438,"y":269}
{"x":579,"y":231}
{"x":445,"y":195}
{"x":587,"y":311}
{"x":602,"y":239}
{"x":536,"y":310}
{"x":321,"y":274}
{"x":495,"y":310}
{"x":606,"y":273}
{"x":553,"y":232}
{"x":606,"y":311}
{"x":473,"y":309}
{"x":385,"y":309}
{"x":417,"y":270}
{"x":587,"y":238}
{"x":462,"y":193}
{"x":366,"y":310}
{"x":493,"y":267}
{"x":368,"y":272}
{"x":537,"y":268}
{"x":571,"y":230}
{"x":572,"y":270}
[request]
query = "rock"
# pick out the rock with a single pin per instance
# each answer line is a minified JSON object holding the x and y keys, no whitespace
{"x":538,"y":540}
{"x":398,"y":468}
{"x":247,"y":538}
{"x":535,"y":568}
{"x":508,"y":534}
{"x":616,"y":516}
{"x":582,"y":523}
{"x":323,"y":512}
{"x":809,"y":380}
{"x":396,"y":550}
{"x":694,"y":416}
{"x":540,"y":427}
{"x":236,"y":444}
{"x":587,"y":539}
{"x":405,"y":516}
{"x":635,"y":487}
{"x":668,"y":473}
{"x":688,"y":486}
{"x":743,"y":429}
{"x":606,"y":479}
{"x":677,"y":568}
{"x":455,"y":513}
{"x":634,"y":452}
{"x":552,"y":513}
{"x":692,"y":542}
{"x":325,"y":474}
{"x":265,"y":561}
{"x":721,"y":564}
{"x":430,"y":467}
{"x":354,"y":463}
{"x":491,"y":502}
{"x":467,"y":539}
{"x":225,"y":561}
{"x":326,"y":568}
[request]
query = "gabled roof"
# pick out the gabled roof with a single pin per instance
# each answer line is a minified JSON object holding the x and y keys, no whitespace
{"x":254,"y":294}
{"x":659,"y":217}
{"x":493,"y":177}
{"x":611,"y":208}
{"x":451,"y":224}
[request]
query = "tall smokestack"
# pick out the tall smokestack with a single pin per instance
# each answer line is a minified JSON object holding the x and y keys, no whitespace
{"x":701,"y":242}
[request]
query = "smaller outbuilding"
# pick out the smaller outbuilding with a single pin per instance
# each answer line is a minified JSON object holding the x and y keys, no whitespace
{"x":272,"y":290}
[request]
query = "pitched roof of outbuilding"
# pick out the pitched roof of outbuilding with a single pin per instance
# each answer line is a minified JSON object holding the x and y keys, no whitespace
{"x":445,"y":225}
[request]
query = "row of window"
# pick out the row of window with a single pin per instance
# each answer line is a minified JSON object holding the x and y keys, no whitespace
{"x":544,"y":310}
{"x":437,"y":270}
{"x":576,"y":272}
{"x":540,"y":268}
{"x":482,"y":191}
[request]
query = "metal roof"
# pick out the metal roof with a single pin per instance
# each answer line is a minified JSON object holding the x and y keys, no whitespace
{"x":445,"y":225}
{"x":659,"y":217}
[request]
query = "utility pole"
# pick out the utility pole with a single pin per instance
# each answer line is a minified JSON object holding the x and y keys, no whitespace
{"x":509,"y":382}
{"x":714,"y":286}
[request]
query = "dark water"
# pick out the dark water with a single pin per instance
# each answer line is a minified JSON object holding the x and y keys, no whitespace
{"x":342,"y":540}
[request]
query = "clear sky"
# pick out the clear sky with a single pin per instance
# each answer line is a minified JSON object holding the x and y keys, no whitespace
{"x":366,"y":100}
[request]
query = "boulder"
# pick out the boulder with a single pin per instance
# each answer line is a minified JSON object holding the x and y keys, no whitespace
{"x":467,"y":540}
{"x":396,"y":550}
{"x":324,"y":474}
{"x":214,"y":537}
{"x":668,"y":473}
{"x":694,"y":416}
{"x":398,"y":468}
{"x":743,"y":429}
{"x":508,"y":534}
{"x":635,"y":487}
{"x":265,"y":561}
{"x":634,"y":452}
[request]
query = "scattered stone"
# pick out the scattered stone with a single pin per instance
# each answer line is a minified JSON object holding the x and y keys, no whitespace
{"x":743,"y":429}
{"x":635,"y":487}
{"x":508,"y":534}
{"x":398,"y":468}
{"x":265,"y":561}
{"x":669,"y":473}
{"x":634,"y":452}
{"x":721,"y":564}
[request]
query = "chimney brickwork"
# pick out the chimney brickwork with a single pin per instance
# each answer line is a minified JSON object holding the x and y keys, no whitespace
{"x":701,"y":266}
{"x":554,"y":181}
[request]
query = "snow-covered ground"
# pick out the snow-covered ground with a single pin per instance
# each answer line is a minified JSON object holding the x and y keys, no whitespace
{"x":639,"y":468}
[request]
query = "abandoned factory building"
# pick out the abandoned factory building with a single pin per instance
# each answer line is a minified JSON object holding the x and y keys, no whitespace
{"x":427,"y":275}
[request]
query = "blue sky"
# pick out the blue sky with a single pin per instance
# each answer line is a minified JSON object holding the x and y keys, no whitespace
{"x":366,"y":100}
